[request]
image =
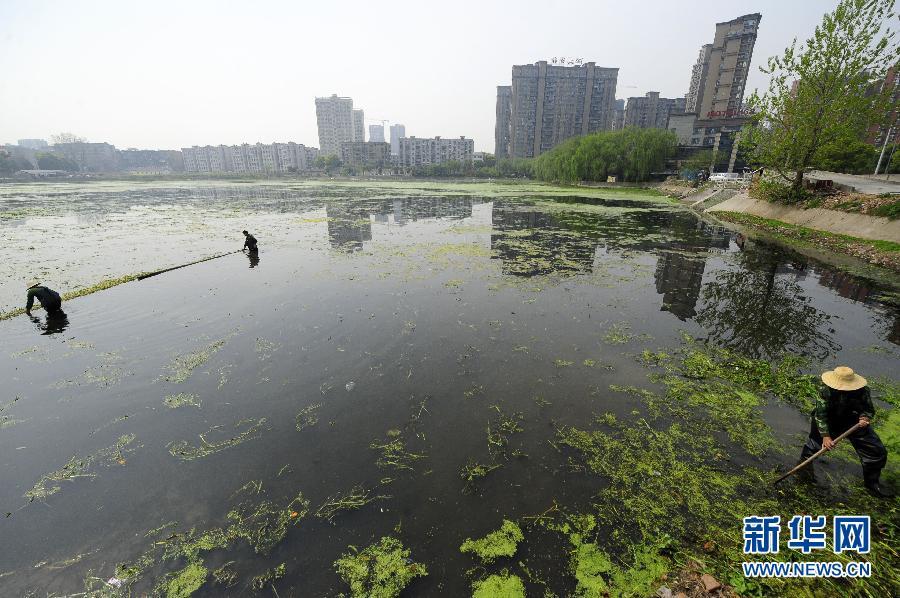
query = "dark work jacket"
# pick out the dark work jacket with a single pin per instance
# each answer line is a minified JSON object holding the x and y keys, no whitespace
{"x":250,"y":243}
{"x":50,"y":299}
{"x":838,"y":410}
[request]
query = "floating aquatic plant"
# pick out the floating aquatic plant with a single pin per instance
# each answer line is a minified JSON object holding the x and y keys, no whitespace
{"x":78,"y":467}
{"x":355,"y":498}
{"x":500,"y":543}
{"x":308,"y":416}
{"x":499,"y":585}
{"x":185,"y":451}
{"x":183,"y":365}
{"x":181,"y":399}
{"x":381,"y":570}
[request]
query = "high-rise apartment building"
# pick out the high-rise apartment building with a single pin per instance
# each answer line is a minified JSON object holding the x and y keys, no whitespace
{"x":398,"y":132}
{"x":359,"y":127}
{"x":550,"y":103}
{"x":336,"y":120}
{"x":698,"y":77}
{"x":719,"y":76}
{"x":504,"y":115}
{"x":376,"y":133}
{"x":651,"y":111}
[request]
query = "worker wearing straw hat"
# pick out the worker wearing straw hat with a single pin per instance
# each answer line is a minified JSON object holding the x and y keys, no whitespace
{"x":843,"y":402}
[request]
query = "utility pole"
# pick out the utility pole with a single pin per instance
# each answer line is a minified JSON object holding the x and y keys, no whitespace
{"x":883,"y":147}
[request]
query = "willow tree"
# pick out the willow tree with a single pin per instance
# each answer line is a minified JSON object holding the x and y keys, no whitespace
{"x":824,"y":91}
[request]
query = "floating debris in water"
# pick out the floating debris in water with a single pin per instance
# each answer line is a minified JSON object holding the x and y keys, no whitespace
{"x":260,"y":581}
{"x":308,"y":416}
{"x":381,"y":570}
{"x":394,"y":454}
{"x":185,"y":451}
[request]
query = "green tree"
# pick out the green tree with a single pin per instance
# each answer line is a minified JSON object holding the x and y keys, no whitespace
{"x":48,"y":161}
{"x":852,"y":156}
{"x":330,"y":163}
{"x":822,"y":91}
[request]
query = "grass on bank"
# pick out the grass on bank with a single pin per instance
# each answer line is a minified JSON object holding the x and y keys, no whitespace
{"x":881,"y":253}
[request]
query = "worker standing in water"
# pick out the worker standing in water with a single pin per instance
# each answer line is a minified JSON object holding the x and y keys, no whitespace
{"x":250,"y":243}
{"x":48,"y":298}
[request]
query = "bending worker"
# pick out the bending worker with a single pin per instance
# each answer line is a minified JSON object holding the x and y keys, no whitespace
{"x":843,"y":402}
{"x":250,"y":243}
{"x":48,"y":298}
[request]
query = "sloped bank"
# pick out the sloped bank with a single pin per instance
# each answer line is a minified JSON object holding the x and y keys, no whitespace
{"x":842,"y":223}
{"x":871,"y":239}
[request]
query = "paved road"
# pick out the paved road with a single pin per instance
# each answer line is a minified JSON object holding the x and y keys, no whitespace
{"x":861,"y":184}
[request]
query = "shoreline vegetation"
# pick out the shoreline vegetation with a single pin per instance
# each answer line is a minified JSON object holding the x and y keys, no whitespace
{"x":885,"y":254}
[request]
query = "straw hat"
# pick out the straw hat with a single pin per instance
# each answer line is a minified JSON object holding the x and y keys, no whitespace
{"x":33,"y":284}
{"x":843,"y":378}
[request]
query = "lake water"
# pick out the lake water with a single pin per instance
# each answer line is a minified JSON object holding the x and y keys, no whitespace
{"x":419,"y":314}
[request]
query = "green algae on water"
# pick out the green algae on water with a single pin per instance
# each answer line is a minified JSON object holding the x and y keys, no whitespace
{"x":394,"y":454}
{"x":180,"y":400}
{"x":259,"y":582}
{"x":500,"y":543}
{"x":502,"y":585}
{"x":186,"y":581}
{"x":78,"y":467}
{"x":381,"y":570}
{"x":185,"y":451}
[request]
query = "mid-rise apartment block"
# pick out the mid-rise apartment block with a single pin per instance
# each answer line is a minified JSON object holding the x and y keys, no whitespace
{"x":719,"y":76}
{"x":366,"y":153}
{"x":426,"y":151}
{"x":376,"y":133}
{"x":504,"y":119}
{"x":398,"y":132}
{"x":651,"y":111}
{"x":878,"y":132}
{"x":336,"y":122}
{"x":268,"y":158}
{"x":550,"y":103}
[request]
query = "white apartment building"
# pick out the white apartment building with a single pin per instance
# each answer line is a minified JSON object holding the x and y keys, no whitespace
{"x":416,"y":151}
{"x":397,"y":133}
{"x":272,"y":158}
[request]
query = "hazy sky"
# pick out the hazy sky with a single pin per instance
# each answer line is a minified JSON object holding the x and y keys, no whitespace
{"x":167,"y":74}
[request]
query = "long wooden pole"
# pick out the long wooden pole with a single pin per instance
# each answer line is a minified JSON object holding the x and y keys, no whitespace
{"x":206,"y":259}
{"x":822,"y":451}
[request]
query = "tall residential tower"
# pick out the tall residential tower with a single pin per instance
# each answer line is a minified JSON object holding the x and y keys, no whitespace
{"x":550,"y":103}
{"x":719,"y":76}
{"x":336,"y":123}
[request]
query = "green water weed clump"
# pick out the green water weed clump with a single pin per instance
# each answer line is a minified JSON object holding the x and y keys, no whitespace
{"x":351,"y":500}
{"x":78,"y":467}
{"x":381,"y":570}
{"x":184,"y":365}
{"x":181,"y":399}
{"x":394,"y":454}
{"x":259,"y":582}
{"x":187,"y":452}
{"x":499,"y":585}
{"x":186,"y":581}
{"x":500,"y":543}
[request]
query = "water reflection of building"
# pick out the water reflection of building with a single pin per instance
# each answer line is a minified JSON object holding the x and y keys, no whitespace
{"x":680,"y":267}
{"x":347,"y":228}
